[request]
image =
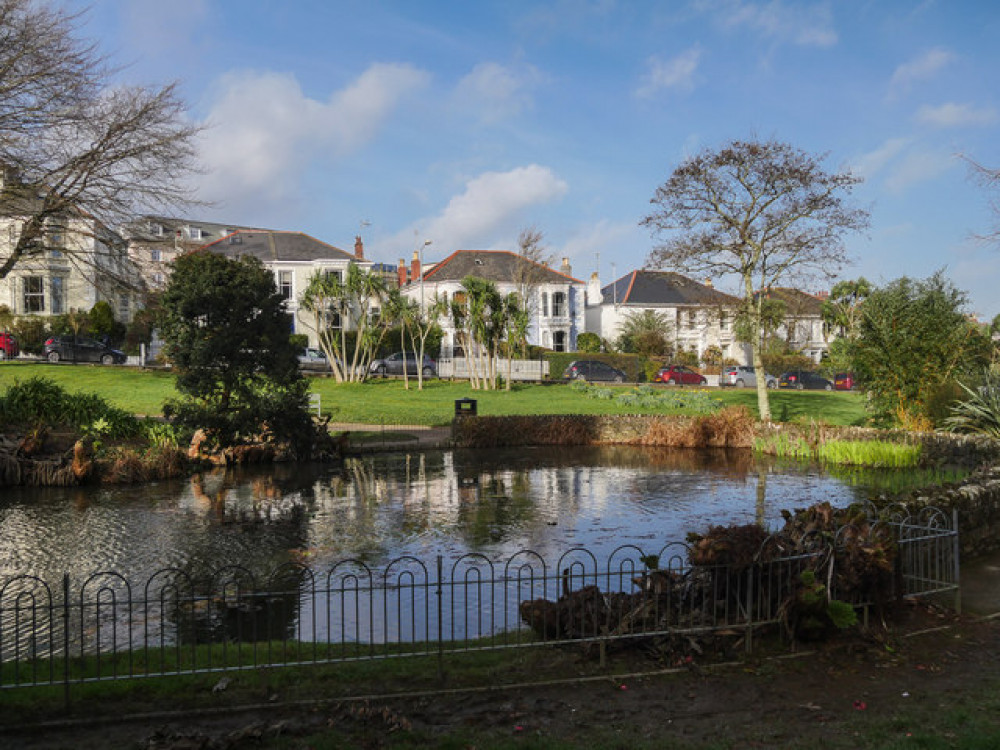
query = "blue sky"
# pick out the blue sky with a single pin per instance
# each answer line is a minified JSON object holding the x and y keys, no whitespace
{"x":465,"y":122}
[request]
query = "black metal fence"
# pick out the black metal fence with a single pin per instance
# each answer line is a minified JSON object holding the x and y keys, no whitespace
{"x":105,"y":627}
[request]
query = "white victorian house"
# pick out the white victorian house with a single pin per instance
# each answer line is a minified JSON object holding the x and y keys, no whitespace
{"x":293,"y":257}
{"x":554,"y":299}
{"x":698,"y":316}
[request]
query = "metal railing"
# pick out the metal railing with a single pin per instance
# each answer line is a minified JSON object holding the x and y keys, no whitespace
{"x":105,"y":628}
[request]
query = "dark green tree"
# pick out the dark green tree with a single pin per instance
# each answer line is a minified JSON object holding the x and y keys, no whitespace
{"x":226,"y":334}
{"x":648,"y":332}
{"x":914,"y":341}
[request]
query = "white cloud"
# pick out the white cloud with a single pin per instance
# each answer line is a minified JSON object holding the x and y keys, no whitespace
{"x":917,"y":167}
{"x":676,"y":73}
{"x":921,"y":68}
{"x":868,"y":165}
{"x":956,"y":115}
{"x":263,"y":131}
{"x":795,"y":23}
{"x":495,"y":92}
{"x":486,"y":210}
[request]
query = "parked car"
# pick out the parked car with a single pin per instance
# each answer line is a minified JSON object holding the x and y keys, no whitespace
{"x":593,"y":370}
{"x":312,"y":358}
{"x":76,"y":349}
{"x":393,"y":365}
{"x":8,"y":346}
{"x":804,"y":380}
{"x":744,"y":376}
{"x":679,"y":375}
{"x":845,"y":381}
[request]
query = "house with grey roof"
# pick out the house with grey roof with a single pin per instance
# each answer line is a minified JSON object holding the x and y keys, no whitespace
{"x":293,"y":258}
{"x":699,"y":316}
{"x":554,"y":298}
{"x":154,"y":241}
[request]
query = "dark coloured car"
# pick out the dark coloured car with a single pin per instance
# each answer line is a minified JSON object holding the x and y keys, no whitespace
{"x":8,"y":346}
{"x":593,"y":370}
{"x":804,"y":380}
{"x":845,"y":381}
{"x":393,"y":365}
{"x":78,"y":349}
{"x":679,"y":375}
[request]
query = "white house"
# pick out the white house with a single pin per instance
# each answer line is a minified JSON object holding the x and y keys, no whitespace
{"x":555,"y":300}
{"x":698,"y":315}
{"x":293,"y":257}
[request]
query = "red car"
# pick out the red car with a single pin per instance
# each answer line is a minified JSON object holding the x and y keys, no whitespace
{"x":679,"y":375}
{"x":845,"y":381}
{"x":8,"y":346}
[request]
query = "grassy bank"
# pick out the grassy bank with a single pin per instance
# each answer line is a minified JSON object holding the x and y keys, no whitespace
{"x":876,"y":454}
{"x":388,"y":402}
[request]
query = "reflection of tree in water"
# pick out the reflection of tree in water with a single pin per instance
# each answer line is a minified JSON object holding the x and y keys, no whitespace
{"x":258,"y":518}
{"x":233,"y":605}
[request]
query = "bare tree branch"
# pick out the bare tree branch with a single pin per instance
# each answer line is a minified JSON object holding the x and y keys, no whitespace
{"x":760,"y":210}
{"x":71,"y":145}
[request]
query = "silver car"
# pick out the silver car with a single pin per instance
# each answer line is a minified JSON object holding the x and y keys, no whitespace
{"x":744,"y":376}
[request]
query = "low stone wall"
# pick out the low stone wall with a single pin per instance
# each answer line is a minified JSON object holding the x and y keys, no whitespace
{"x":976,"y":499}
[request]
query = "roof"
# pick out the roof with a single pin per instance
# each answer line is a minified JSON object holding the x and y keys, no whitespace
{"x":649,"y":288}
{"x":497,"y":266}
{"x":796,"y":301}
{"x":270,"y":246}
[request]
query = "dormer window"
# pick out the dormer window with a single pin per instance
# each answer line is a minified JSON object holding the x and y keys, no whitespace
{"x":156,"y":230}
{"x":235,"y":238}
{"x":194,"y":233}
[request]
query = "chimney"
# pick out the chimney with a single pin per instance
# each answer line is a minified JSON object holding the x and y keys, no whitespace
{"x":566,"y":268}
{"x":401,"y":273}
{"x":359,"y":248}
{"x":415,"y":269}
{"x":823,"y":295}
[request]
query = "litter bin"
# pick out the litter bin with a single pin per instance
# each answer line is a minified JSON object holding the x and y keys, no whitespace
{"x":465,"y":407}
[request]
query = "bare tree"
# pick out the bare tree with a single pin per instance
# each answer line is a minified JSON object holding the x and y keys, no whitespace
{"x":762,"y":211}
{"x":75,"y":151}
{"x":990,"y":179}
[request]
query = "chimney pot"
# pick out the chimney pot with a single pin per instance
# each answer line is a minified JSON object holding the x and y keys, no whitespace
{"x":415,"y":269}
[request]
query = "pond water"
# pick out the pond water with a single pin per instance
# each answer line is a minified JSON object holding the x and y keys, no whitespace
{"x":383,"y":506}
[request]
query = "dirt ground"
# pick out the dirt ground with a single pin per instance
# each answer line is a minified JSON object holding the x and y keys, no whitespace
{"x":901,"y":683}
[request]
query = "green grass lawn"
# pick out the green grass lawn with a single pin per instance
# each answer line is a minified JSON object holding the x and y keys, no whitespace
{"x":388,"y":402}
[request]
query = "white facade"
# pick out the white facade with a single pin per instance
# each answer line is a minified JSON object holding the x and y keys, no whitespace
{"x":79,"y":265}
{"x":555,"y":300}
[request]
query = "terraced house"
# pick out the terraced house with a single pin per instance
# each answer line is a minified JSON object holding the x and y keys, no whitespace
{"x":74,"y":264}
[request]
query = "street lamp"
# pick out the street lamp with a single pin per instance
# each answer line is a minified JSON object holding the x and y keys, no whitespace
{"x":426,"y":243}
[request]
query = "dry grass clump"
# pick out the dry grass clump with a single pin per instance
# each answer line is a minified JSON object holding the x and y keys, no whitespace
{"x":732,"y":427}
{"x":129,"y":466}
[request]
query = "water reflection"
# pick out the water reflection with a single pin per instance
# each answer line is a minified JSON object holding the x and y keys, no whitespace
{"x":379,"y":507}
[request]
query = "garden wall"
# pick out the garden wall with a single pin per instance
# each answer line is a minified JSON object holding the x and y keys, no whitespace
{"x":976,"y":499}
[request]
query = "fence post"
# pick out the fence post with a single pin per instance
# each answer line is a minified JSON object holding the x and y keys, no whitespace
{"x":66,"y":641}
{"x":750,"y":602}
{"x":955,"y":554}
{"x":440,"y":622}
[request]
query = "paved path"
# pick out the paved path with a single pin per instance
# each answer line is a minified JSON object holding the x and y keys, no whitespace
{"x":980,"y":579}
